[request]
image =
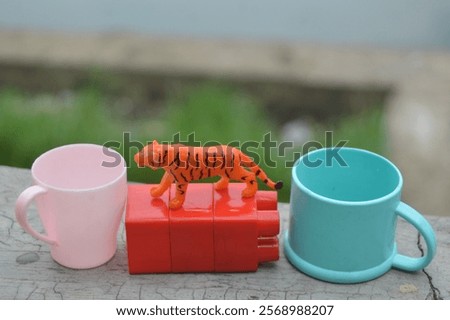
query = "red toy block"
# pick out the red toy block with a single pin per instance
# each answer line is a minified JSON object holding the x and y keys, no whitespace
{"x":235,"y":230}
{"x":214,"y":231}
{"x":244,"y":235}
{"x":192,"y":230}
{"x":268,"y":226}
{"x":148,"y":231}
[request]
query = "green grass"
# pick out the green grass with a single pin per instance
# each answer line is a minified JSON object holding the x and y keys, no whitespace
{"x":31,"y":125}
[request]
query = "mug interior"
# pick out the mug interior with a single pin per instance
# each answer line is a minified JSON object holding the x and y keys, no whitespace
{"x":365,"y":175}
{"x":78,"y":167}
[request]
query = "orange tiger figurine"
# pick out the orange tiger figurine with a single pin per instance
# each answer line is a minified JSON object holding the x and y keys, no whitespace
{"x":186,"y":163}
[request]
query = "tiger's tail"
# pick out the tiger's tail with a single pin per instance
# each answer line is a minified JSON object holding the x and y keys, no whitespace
{"x":259,"y":173}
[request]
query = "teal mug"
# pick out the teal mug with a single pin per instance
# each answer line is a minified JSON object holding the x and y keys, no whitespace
{"x":343,"y":216}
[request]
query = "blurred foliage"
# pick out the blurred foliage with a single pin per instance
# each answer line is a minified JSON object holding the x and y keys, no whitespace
{"x":218,"y":113}
{"x":31,"y":125}
{"x":364,"y":130}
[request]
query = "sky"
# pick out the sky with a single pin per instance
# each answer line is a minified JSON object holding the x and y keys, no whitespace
{"x":383,"y":23}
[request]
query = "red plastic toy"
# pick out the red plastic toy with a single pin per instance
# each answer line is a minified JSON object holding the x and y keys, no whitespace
{"x":186,"y":163}
{"x":214,"y":231}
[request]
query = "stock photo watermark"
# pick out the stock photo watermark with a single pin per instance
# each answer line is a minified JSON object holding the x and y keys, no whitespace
{"x":268,"y":151}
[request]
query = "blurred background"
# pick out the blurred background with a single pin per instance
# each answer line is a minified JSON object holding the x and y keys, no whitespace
{"x":375,"y":73}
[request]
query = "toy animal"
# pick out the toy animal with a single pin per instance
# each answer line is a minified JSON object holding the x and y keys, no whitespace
{"x":186,"y":163}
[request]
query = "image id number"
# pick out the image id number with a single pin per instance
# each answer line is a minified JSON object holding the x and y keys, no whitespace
{"x":300,"y":310}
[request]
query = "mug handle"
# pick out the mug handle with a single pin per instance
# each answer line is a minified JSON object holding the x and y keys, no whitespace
{"x":421,"y":224}
{"x":22,"y":204}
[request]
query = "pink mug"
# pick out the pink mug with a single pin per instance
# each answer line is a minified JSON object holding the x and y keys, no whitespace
{"x":80,"y":192}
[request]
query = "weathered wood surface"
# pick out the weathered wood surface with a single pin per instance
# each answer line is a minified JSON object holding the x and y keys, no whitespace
{"x":28,"y":272}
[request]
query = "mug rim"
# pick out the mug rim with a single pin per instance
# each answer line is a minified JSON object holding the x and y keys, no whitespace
{"x":75,"y":145}
{"x":320,"y":197}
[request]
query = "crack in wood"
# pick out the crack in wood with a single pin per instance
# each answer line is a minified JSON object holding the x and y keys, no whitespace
{"x":434,"y":293}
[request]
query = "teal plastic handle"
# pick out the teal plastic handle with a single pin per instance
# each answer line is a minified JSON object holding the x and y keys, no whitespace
{"x":421,"y":224}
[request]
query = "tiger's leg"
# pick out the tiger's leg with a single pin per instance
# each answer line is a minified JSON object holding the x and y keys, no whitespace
{"x":222,"y":183}
{"x":180,"y":194}
{"x":249,"y":179}
{"x":165,"y":183}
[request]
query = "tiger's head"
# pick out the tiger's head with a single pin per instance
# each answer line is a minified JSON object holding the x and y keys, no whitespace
{"x":153,"y":155}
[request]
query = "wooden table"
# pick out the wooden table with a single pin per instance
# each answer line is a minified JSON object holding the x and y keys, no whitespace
{"x":28,"y":272}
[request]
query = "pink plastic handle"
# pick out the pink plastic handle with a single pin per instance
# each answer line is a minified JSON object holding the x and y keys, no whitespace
{"x":22,"y":204}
